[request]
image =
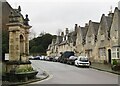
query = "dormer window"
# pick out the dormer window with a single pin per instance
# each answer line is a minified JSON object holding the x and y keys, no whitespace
{"x":102,"y":37}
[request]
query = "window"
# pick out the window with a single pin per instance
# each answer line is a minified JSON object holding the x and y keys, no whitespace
{"x":115,"y":52}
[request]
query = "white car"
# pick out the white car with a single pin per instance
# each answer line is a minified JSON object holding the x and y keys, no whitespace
{"x":82,"y":61}
{"x":31,"y":57}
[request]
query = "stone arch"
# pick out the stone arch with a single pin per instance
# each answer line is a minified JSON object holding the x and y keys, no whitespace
{"x":22,"y":44}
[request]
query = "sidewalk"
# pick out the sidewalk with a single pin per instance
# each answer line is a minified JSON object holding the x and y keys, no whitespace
{"x":104,"y":67}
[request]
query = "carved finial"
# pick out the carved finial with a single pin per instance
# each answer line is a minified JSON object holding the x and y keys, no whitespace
{"x":19,"y":9}
{"x":26,"y":20}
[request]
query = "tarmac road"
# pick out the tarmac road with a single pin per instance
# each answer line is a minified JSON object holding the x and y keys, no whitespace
{"x":67,"y":74}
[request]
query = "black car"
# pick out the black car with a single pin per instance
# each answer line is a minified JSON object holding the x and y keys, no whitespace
{"x":64,"y":57}
{"x":71,"y":60}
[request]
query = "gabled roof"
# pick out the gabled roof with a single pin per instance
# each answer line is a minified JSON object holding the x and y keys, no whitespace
{"x":116,"y":20}
{"x":83,"y":31}
{"x":106,"y":22}
{"x":109,"y":22}
{"x":58,"y":39}
{"x":95,"y":27}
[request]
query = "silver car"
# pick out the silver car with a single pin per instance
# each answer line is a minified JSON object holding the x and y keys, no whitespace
{"x":82,"y":61}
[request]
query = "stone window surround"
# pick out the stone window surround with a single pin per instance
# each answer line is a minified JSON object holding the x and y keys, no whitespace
{"x":115,"y":52}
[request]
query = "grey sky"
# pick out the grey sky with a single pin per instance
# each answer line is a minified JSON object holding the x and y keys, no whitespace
{"x":51,"y":15}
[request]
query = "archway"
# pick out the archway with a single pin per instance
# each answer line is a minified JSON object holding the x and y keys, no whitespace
{"x":21,"y":44}
{"x":109,"y":55}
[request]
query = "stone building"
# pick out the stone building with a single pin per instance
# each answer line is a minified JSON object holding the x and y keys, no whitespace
{"x":115,"y":35}
{"x":81,"y":39}
{"x":98,"y":40}
{"x":103,"y":36}
{"x":6,"y":11}
{"x":65,"y":42}
{"x":91,"y":39}
{"x":18,"y":28}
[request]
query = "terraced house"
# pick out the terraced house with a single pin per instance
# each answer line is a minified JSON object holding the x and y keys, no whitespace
{"x":115,"y":35}
{"x":91,"y":39}
{"x":103,"y":43}
{"x":100,"y":41}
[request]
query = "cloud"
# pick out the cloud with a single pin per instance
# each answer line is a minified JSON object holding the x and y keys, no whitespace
{"x":51,"y":15}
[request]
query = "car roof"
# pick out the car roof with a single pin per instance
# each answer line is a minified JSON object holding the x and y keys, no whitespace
{"x":82,"y":57}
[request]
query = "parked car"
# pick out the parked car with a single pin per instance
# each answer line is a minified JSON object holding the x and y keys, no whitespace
{"x":64,"y":57}
{"x":31,"y":57}
{"x":55,"y":59}
{"x":50,"y":58}
{"x":82,"y":61}
{"x":71,"y":60}
{"x":42,"y":57}
{"x":47,"y":58}
{"x":37,"y":58}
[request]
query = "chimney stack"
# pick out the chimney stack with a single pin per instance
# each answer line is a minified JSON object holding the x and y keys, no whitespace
{"x":119,"y":5}
{"x":67,"y":31}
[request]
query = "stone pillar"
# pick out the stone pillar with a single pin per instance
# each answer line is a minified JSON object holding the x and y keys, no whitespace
{"x":14,"y":45}
{"x":27,"y":43}
{"x":11,"y":43}
{"x":17,"y":46}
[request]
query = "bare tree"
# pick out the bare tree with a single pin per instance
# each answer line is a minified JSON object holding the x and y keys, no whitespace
{"x":59,"y":32}
{"x":32,"y":34}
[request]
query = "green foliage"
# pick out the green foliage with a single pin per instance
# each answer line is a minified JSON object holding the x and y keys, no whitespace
{"x":24,"y":69}
{"x":114,"y":62}
{"x":40,"y":44}
{"x":5,"y":41}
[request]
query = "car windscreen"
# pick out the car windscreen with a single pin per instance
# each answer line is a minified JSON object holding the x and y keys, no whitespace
{"x":72,"y":57}
{"x":68,"y":54}
{"x":84,"y":59}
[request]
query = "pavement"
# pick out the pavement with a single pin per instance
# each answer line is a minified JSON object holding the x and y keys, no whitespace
{"x":104,"y":67}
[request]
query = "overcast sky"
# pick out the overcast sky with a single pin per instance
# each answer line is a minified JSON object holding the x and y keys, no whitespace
{"x":51,"y":15}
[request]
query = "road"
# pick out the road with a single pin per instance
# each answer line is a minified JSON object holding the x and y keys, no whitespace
{"x":67,"y":74}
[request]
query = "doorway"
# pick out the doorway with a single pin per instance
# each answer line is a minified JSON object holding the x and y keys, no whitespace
{"x":109,"y":56}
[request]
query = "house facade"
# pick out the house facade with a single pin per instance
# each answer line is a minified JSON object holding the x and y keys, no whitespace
{"x":115,"y":35}
{"x":100,"y":41}
{"x":91,"y":39}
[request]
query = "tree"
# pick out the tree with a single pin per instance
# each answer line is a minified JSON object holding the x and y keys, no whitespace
{"x":40,"y":44}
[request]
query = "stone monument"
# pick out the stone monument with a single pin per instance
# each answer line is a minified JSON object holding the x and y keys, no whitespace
{"x":19,"y":63}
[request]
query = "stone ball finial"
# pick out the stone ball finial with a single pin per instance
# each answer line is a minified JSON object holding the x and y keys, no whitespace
{"x":26,"y":19}
{"x":19,"y":8}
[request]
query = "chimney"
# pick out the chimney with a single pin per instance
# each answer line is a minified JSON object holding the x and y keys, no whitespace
{"x":62,"y":34}
{"x":119,"y":5}
{"x":110,"y":12}
{"x":76,"y":26}
{"x":86,"y":24}
{"x":67,"y":31}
